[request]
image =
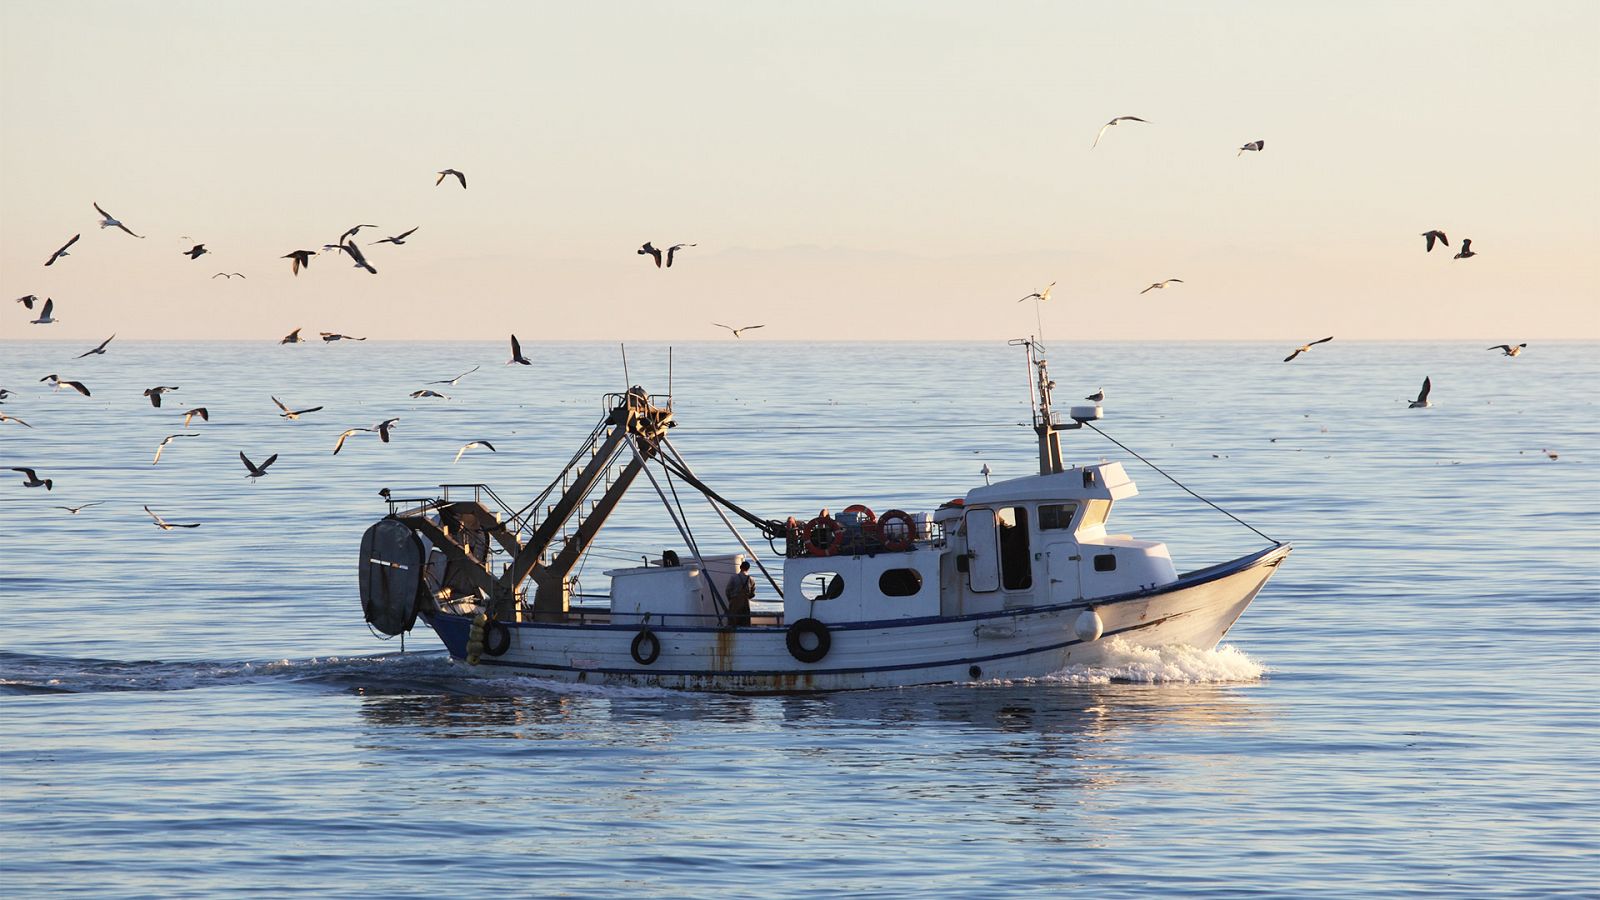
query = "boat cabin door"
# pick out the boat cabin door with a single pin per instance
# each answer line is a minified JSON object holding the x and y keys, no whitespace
{"x":983,"y":551}
{"x":1062,"y":561}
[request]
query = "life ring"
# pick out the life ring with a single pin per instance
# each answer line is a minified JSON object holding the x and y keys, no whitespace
{"x":496,"y":638}
{"x":646,"y":647}
{"x":894,"y":543}
{"x":819,"y":633}
{"x":867,"y":518}
{"x":825,"y":543}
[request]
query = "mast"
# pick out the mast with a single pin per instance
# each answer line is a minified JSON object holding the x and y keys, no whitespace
{"x":1044,"y":424}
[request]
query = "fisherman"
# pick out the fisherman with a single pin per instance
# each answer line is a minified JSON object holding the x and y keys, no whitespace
{"x":741,"y":590}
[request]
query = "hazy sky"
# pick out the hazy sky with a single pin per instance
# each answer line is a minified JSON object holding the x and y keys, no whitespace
{"x":849,"y":170}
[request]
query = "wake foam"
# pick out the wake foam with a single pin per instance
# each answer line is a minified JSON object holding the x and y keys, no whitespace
{"x":1126,"y":664}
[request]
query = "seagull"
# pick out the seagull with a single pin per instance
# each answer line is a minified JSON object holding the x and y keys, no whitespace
{"x":458,"y":377}
{"x":78,"y":509}
{"x":226,"y":275}
{"x":1161,"y":284}
{"x":1422,"y":396}
{"x":167,"y":440}
{"x":648,"y":250}
{"x":33,"y":478}
{"x":398,"y":239}
{"x":348,"y":235}
{"x":155,"y":393}
{"x":107,"y":221}
{"x":255,"y":470}
{"x":45,"y":317}
{"x":1041,"y":296}
{"x":382,"y":428}
{"x":1253,"y":145}
{"x":447,"y":173}
{"x":6,"y":418}
{"x":516,"y":353}
{"x":1466,"y":249}
{"x":737,"y":330}
{"x":329,"y":337}
{"x":293,"y":337}
{"x":57,"y":383}
{"x":164,"y":525}
{"x":1433,"y":235}
{"x":301,"y":259}
{"x":197,"y":251}
{"x":63,"y":251}
{"x":469,"y":445}
{"x":1097,"y":396}
{"x":1306,"y":348}
{"x":200,"y":411}
{"x":292,"y":414}
{"x":5,"y":393}
{"x":674,"y":249}
{"x":1507,"y":349}
{"x":427,"y":393}
{"x":985,"y":470}
{"x":1103,"y":128}
{"x":349,"y":431}
{"x":28,"y":300}
{"x":100,"y":350}
{"x":355,"y":254}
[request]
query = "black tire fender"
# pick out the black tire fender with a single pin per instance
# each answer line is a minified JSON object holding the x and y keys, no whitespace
{"x":496,"y":638}
{"x":812,"y":627}
{"x":646,"y":647}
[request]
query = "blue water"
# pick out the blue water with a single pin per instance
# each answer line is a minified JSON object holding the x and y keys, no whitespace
{"x":1408,"y":709}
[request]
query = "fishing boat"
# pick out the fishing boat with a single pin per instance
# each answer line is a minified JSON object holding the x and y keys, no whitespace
{"x":1016,"y":579}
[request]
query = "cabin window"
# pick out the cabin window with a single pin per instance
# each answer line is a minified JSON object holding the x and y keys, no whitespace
{"x":1016,"y":563}
{"x":1094,"y":513}
{"x":1105,"y":562}
{"x":900,"y":583}
{"x":822,"y":586}
{"x":1056,"y":516}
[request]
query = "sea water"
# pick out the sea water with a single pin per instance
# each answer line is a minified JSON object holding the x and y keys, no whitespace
{"x":1409,"y":708}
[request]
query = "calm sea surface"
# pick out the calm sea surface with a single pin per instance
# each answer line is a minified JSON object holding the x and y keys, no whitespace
{"x":1409,"y":708}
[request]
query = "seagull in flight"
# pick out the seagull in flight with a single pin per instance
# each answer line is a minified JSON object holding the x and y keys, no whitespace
{"x":1507,"y":349}
{"x":1306,"y":348}
{"x":100,"y":350}
{"x":63,"y":251}
{"x":1422,"y":397}
{"x":469,"y":445}
{"x":340,"y":443}
{"x":1041,"y":296}
{"x":382,"y":428}
{"x":164,"y":525}
{"x":33,"y":479}
{"x":1161,"y":284}
{"x":197,"y":251}
{"x":74,"y":510}
{"x":45,"y":317}
{"x":458,"y":377}
{"x":449,"y":172}
{"x":398,"y":239}
{"x":737,"y":330}
{"x":5,"y":418}
{"x":227,"y":275}
{"x":108,"y":221}
{"x":28,"y":300}
{"x":205,"y":416}
{"x":329,"y":337}
{"x":360,"y":258}
{"x":57,"y":383}
{"x":155,"y":393}
{"x":1097,"y":396}
{"x":292,"y":414}
{"x":350,"y":233}
{"x":1107,"y":125}
{"x":674,"y":249}
{"x":255,"y":470}
{"x":1435,"y":235}
{"x":293,"y":337}
{"x":516,"y":353}
{"x":416,"y":395}
{"x":1253,"y":145}
{"x":301,"y":259}
{"x":649,"y":250}
{"x":1466,"y":251}
{"x":167,"y":440}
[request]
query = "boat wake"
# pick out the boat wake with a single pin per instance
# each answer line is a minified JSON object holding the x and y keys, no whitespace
{"x":27,"y":673}
{"x":1127,"y":664}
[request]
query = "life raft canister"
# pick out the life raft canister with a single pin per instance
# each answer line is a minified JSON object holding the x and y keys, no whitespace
{"x":646,"y":647}
{"x":822,"y":536}
{"x":820,"y":640}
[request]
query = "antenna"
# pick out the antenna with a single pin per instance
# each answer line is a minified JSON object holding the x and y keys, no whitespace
{"x":669,"y":376}
{"x":626,"y":381}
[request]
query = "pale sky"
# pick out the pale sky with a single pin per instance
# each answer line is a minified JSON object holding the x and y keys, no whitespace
{"x":849,"y":170}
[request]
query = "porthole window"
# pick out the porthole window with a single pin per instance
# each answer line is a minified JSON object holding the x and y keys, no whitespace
{"x":1105,"y":562}
{"x":900,"y":582}
{"x":822,"y":586}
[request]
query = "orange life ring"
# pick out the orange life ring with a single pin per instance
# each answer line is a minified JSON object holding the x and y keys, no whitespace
{"x":866,"y":513}
{"x":894,"y":543}
{"x":819,"y":545}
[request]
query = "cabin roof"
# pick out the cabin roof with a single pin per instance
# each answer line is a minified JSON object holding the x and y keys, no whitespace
{"x":1105,"y":481}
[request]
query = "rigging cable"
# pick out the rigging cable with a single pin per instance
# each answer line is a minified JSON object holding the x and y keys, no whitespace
{"x":1175,"y":481}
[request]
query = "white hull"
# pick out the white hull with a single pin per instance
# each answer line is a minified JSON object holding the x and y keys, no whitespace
{"x":1197,"y":611}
